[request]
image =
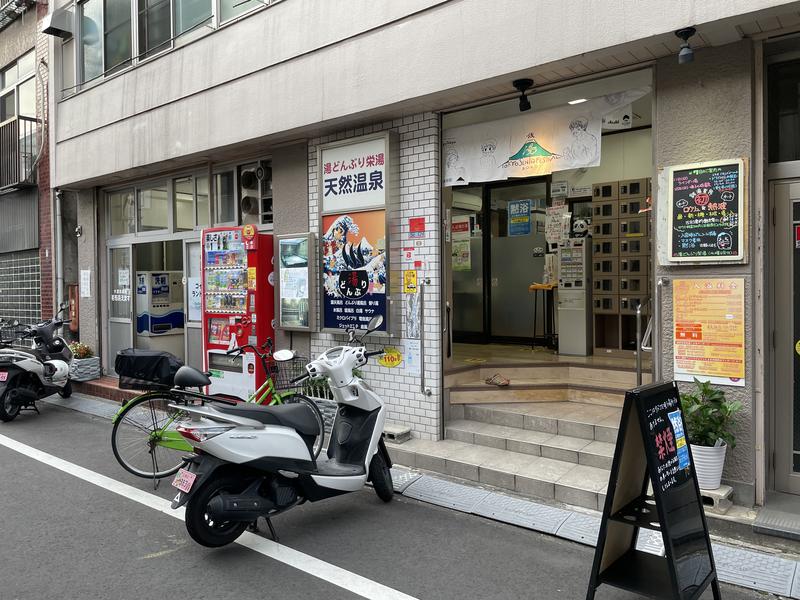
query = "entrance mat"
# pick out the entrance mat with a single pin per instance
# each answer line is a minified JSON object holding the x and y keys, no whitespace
{"x":445,"y":493}
{"x":402,"y":478}
{"x":580,"y":528}
{"x":546,"y":519}
{"x":754,"y":569}
{"x":778,"y":523}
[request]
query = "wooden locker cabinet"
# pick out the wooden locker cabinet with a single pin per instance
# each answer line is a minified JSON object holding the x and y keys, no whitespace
{"x":602,"y":248}
{"x":606,"y":285}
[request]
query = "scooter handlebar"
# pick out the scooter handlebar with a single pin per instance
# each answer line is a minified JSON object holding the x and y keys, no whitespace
{"x":300,"y":378}
{"x":374,"y":353}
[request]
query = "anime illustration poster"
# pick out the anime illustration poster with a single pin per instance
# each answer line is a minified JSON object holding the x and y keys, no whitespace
{"x":354,"y":269}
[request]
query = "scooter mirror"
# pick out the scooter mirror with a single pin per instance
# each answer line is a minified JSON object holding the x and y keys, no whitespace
{"x":63,"y":305}
{"x":374,"y":323}
{"x":282,"y":355}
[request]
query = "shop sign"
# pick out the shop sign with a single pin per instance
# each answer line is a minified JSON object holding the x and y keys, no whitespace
{"x":416,"y":227}
{"x":86,"y":283}
{"x":559,"y":189}
{"x":519,"y":217}
{"x":707,"y":208}
{"x":530,"y":144}
{"x":391,"y":358}
{"x":709,"y":334}
{"x":410,"y":282}
{"x":353,"y":175}
{"x":354,"y":276}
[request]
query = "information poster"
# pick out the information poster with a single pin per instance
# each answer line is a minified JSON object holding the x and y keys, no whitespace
{"x":294,"y":286}
{"x":195,"y":288}
{"x":554,"y":225}
{"x":354,"y":269}
{"x":707,"y":202}
{"x":461,"y":249}
{"x":709,"y":340}
{"x":519,"y":217}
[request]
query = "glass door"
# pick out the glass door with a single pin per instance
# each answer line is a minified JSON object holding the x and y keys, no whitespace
{"x":193,"y":298}
{"x":786,"y":325}
{"x":467,"y":263}
{"x":517,"y":248}
{"x":120,"y":311}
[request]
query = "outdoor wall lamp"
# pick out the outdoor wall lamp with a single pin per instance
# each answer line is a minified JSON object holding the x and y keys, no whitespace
{"x":522,"y":86}
{"x":686,"y":54}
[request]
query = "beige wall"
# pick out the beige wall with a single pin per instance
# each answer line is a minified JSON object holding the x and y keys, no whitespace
{"x":704,"y":111}
{"x":87,"y":259}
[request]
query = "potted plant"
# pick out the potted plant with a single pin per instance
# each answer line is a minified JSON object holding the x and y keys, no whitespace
{"x":709,"y":419}
{"x":85,"y":365}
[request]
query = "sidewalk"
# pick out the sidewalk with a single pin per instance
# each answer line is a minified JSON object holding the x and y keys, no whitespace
{"x":739,"y":564}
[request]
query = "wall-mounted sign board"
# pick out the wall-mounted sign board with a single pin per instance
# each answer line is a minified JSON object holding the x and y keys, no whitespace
{"x":652,"y":452}
{"x":295,"y":289}
{"x":707,"y":212}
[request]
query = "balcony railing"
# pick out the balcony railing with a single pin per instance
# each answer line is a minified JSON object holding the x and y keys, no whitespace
{"x":19,"y":145}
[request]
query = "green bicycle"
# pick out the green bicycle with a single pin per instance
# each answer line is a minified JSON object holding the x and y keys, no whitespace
{"x":144,"y":439}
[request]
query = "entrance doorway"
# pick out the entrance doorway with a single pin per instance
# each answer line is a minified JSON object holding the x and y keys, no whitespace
{"x":498,"y":253}
{"x":786,"y":316}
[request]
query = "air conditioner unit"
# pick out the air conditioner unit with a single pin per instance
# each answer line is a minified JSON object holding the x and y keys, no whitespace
{"x":467,"y":201}
{"x":59,"y":23}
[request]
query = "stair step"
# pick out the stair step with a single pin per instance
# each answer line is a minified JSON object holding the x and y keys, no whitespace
{"x":478,"y":392}
{"x":537,"y":476}
{"x":570,"y":419}
{"x":536,"y":443}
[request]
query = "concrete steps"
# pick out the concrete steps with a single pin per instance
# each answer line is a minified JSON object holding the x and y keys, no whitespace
{"x":553,"y":450}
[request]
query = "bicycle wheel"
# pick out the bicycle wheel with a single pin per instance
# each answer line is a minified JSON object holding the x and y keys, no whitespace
{"x":316,"y":447}
{"x":144,"y":439}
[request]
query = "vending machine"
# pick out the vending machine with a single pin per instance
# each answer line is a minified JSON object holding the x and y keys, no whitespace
{"x":238,"y":306}
{"x":575,"y":297}
{"x":159,"y":311}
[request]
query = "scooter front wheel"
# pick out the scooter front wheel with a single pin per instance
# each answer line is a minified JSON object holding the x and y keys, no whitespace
{"x":381,"y":477}
{"x":8,"y":411}
{"x":202,"y":528}
{"x":66,"y":391}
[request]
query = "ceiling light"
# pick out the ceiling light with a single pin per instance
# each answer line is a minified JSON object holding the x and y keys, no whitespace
{"x":686,"y":54}
{"x":577,"y":101}
{"x":522,"y":86}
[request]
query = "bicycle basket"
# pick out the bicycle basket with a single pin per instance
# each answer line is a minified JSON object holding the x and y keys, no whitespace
{"x":282,"y":372}
{"x":9,"y":335}
{"x":146,"y":369}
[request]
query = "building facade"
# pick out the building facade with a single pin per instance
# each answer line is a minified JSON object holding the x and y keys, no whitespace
{"x":160,"y":117}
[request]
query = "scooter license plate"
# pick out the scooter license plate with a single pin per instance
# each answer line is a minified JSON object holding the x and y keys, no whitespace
{"x":184,"y":480}
{"x":3,"y":375}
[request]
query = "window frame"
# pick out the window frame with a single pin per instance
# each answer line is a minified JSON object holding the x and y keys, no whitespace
{"x":13,"y":88}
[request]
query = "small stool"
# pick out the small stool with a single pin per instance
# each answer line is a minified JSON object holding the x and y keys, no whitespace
{"x":548,"y":335}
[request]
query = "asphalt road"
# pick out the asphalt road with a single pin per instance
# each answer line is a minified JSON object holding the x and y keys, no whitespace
{"x":62,"y":537}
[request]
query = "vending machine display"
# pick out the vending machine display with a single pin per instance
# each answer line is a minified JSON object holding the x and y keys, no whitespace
{"x":238,"y":306}
{"x":574,"y":297}
{"x":159,"y":311}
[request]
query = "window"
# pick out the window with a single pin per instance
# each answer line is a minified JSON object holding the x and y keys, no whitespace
{"x":225,"y":197}
{"x":190,"y":14}
{"x":191,"y":202}
{"x":784,"y":111}
{"x":122,"y":213}
{"x":91,"y":13}
{"x":229,"y":9}
{"x":155,"y":26}
{"x":201,"y":196}
{"x":152,"y":208}
{"x":117,"y":34}
{"x":18,"y":88}
{"x":68,"y":66}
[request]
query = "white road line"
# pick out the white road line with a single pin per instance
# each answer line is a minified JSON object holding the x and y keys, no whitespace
{"x":366,"y":588}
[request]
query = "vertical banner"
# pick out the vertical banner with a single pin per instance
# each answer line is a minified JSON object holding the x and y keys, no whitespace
{"x":709,"y":330}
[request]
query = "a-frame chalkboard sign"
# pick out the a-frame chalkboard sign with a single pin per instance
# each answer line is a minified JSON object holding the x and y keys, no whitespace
{"x":653,"y":457}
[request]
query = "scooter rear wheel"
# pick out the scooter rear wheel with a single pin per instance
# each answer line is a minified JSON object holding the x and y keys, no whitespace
{"x":201,"y":526}
{"x":8,"y":411}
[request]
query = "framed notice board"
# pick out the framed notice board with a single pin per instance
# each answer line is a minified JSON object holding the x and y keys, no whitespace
{"x":707,"y":211}
{"x":653,"y":486}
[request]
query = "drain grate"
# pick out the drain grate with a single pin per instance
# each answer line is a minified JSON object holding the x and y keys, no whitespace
{"x":651,"y":542}
{"x":546,"y":519}
{"x":445,"y":493}
{"x":402,"y":478}
{"x":580,"y":528}
{"x":754,"y":570}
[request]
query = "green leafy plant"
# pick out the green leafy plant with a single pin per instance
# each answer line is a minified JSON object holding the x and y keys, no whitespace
{"x":709,"y":415}
{"x":80,"y":350}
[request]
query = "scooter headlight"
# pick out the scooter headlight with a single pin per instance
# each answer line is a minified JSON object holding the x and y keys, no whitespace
{"x":202,"y":434}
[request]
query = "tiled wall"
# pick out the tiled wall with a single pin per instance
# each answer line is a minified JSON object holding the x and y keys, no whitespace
{"x":419,"y":196}
{"x":20,"y":293}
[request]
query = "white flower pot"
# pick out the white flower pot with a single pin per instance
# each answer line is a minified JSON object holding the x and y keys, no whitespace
{"x":85,"y":369}
{"x":708,"y":463}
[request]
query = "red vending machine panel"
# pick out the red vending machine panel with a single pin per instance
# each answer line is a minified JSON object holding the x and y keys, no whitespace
{"x":238,"y":306}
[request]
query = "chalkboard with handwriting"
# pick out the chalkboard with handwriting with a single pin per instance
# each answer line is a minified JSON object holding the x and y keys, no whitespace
{"x":706,"y":212}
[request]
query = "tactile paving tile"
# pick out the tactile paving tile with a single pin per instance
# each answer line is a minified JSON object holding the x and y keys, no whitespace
{"x":402,"y":478}
{"x":84,"y":404}
{"x":580,"y":528}
{"x":651,"y":542}
{"x":796,"y":586}
{"x":754,"y":569}
{"x":523,"y":513}
{"x":445,"y":493}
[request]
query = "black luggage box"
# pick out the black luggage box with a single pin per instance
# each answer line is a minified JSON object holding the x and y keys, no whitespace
{"x":146,"y":369}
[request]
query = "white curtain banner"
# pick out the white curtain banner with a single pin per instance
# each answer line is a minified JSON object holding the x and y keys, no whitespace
{"x":531,"y":144}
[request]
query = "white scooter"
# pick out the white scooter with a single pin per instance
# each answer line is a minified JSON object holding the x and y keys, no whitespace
{"x":28,"y":374}
{"x":256,"y":461}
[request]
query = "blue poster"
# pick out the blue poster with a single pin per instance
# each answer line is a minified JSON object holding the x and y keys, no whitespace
{"x":519,"y":217}
{"x":680,"y":438}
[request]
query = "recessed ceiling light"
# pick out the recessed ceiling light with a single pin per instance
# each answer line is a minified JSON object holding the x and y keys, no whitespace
{"x":577,"y":101}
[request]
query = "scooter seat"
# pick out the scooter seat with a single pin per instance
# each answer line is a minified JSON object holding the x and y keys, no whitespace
{"x":190,"y":377}
{"x":297,"y":416}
